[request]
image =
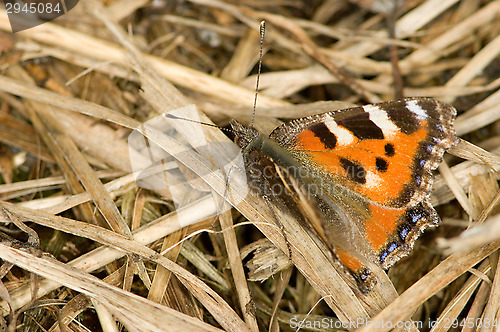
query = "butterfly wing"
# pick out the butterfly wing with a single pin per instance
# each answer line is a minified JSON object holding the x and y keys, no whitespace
{"x":386,"y":152}
{"x":289,"y":186}
{"x":360,"y":177}
{"x":383,"y":156}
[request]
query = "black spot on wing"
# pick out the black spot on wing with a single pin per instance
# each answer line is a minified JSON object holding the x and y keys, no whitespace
{"x":381,"y":164}
{"x":324,"y":134}
{"x":355,"y":171}
{"x":389,"y":150}
{"x":361,"y":126}
{"x":402,"y":117}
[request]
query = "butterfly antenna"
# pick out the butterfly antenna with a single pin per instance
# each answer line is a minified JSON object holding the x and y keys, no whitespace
{"x":261,"y":54}
{"x":171,"y":116}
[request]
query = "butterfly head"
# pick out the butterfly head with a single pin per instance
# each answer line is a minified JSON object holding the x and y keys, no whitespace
{"x":243,"y":135}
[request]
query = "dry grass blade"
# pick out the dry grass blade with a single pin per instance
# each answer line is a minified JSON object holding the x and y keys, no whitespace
{"x":455,"y":187}
{"x":493,"y":305}
{"x":127,"y":307}
{"x":106,"y":52}
{"x":312,"y":50}
{"x":48,"y":182}
{"x":447,"y":271}
{"x":476,"y":65}
{"x":215,"y":304}
{"x":453,"y":309}
{"x":480,"y":115}
{"x":246,"y":303}
{"x":98,"y":258}
{"x":474,"y":237}
{"x":433,"y":50}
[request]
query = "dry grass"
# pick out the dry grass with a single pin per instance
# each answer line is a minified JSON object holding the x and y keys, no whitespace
{"x":73,"y":90}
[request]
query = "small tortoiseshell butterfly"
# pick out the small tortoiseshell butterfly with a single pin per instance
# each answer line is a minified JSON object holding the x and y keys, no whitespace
{"x":366,"y":171}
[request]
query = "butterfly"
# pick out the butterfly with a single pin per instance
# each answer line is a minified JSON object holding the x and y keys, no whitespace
{"x":360,"y":177}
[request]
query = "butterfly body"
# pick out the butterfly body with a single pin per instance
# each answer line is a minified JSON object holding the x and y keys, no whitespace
{"x":360,"y":176}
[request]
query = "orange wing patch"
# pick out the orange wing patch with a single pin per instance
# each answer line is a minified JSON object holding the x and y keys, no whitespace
{"x":381,"y":225}
{"x":348,"y":260}
{"x":366,"y":166}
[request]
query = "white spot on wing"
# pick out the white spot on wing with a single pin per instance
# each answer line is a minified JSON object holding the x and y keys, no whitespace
{"x":344,"y":136}
{"x":415,"y":108}
{"x":373,"y":180}
{"x":380,"y":118}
